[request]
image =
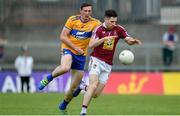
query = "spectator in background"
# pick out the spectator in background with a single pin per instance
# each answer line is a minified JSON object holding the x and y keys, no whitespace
{"x":24,"y":67}
{"x":1,"y":48}
{"x":169,"y":40}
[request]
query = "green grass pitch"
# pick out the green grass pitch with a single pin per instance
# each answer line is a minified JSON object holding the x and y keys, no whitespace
{"x":47,"y":104}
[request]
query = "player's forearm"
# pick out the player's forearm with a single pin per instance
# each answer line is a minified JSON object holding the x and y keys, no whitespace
{"x":66,"y":41}
{"x":130,"y":42}
{"x":96,"y":42}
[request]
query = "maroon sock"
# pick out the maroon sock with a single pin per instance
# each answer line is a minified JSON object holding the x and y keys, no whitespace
{"x":84,"y":106}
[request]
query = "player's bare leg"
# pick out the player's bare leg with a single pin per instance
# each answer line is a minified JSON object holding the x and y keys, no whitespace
{"x":64,"y":67}
{"x":93,"y":83}
{"x":66,"y":61}
{"x":76,"y":79}
{"x":98,"y":90}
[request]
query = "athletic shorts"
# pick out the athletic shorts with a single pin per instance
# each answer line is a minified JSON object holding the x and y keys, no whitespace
{"x":101,"y":68}
{"x":78,"y":61}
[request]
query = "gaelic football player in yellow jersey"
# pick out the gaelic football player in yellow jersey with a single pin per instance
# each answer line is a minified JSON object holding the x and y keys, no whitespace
{"x":75,"y":38}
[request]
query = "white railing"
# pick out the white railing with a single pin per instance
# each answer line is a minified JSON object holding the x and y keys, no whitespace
{"x":148,"y":57}
{"x":170,"y":15}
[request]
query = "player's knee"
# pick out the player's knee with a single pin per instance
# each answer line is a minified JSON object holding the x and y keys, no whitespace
{"x":65,"y":69}
{"x":93,"y":86}
{"x":81,"y":74}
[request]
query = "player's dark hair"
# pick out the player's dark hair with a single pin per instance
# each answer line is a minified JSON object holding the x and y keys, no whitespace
{"x":110,"y":13}
{"x":85,"y":5}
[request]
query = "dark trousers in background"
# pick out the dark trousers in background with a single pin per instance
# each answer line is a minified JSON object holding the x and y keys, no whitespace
{"x":1,"y":51}
{"x":167,"y":56}
{"x":25,"y":80}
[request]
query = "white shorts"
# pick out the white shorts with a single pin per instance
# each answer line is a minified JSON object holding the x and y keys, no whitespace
{"x":101,"y":68}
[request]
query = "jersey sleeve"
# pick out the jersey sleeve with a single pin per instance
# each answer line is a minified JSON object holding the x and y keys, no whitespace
{"x":95,"y":22}
{"x":165,"y":37}
{"x":123,"y":32}
{"x":176,"y":38}
{"x":69,"y":23}
{"x":96,"y":33}
{"x":98,"y":23}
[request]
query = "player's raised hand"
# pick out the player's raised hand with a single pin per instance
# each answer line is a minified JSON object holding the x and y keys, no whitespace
{"x":137,"y":41}
{"x":132,"y":41}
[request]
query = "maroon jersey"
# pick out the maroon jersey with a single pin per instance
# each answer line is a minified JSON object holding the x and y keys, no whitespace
{"x":105,"y":51}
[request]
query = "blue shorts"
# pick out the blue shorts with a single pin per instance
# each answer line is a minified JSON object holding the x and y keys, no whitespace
{"x":78,"y":61}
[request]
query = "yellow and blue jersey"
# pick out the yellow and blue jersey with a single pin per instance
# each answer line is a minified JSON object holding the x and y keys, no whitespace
{"x":80,"y":32}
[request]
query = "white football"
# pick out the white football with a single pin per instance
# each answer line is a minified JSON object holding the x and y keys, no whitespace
{"x":126,"y":57}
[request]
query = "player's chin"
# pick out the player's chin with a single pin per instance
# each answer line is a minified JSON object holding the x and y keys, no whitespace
{"x":87,"y":17}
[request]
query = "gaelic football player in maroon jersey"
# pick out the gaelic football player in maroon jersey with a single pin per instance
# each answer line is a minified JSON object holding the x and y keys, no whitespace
{"x":103,"y":41}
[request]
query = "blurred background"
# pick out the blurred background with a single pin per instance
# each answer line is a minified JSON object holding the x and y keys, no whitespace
{"x":38,"y":23}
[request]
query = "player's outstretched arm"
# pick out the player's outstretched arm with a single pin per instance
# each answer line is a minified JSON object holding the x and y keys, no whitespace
{"x":94,"y":42}
{"x":132,"y":41}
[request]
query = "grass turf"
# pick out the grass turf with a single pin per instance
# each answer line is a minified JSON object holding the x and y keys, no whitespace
{"x":47,"y":104}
